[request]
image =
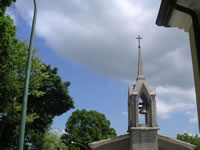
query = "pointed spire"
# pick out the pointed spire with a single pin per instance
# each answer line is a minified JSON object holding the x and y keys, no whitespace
{"x":140,"y":75}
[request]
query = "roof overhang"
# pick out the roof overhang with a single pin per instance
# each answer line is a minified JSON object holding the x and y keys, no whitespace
{"x":170,"y":16}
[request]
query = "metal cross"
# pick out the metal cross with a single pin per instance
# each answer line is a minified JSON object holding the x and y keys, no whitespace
{"x":138,"y":38}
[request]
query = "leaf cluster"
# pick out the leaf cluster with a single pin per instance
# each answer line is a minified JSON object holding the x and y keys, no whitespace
{"x":192,"y":139}
{"x":51,"y":141}
{"x":85,"y":127}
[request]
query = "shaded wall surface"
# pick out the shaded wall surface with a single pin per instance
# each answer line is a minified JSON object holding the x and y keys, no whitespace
{"x":166,"y":143}
{"x":118,"y":143}
{"x":122,"y":143}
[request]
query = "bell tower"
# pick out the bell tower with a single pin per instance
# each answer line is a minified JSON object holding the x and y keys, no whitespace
{"x":142,"y":104}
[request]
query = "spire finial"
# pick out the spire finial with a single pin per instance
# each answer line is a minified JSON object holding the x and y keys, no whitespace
{"x":140,"y":67}
{"x":139,"y":38}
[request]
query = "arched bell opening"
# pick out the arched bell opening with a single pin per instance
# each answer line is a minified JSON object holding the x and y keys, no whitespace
{"x":141,"y":112}
{"x":144,"y":111}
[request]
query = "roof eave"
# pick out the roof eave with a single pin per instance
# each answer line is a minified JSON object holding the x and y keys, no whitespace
{"x":165,"y":13}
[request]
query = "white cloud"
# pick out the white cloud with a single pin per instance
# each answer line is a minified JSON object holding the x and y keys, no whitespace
{"x":193,"y":116}
{"x":125,"y":113}
{"x":188,"y":112}
{"x":57,"y":131}
{"x":174,"y":99}
{"x":100,"y":35}
{"x":12,"y":15}
{"x":193,"y":120}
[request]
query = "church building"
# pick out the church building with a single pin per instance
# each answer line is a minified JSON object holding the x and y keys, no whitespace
{"x":141,"y":136}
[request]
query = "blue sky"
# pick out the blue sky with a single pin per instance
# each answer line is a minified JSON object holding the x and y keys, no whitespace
{"x":93,"y":45}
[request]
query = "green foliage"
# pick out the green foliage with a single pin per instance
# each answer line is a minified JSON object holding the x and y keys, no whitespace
{"x":192,"y":139}
{"x":51,"y":141}
{"x":3,"y":5}
{"x":85,"y":127}
{"x":48,"y":95}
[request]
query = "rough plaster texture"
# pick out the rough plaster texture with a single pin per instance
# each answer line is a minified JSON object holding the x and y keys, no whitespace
{"x":166,"y":143}
{"x":122,"y":143}
{"x":117,"y":143}
{"x":143,"y":138}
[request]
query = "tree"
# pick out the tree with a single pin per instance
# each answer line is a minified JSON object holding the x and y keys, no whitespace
{"x":192,"y":139}
{"x":54,"y":102}
{"x":48,"y":95}
{"x":52,"y":141}
{"x":8,"y":80}
{"x":85,"y":127}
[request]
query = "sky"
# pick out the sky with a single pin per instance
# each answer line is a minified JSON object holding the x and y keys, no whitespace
{"x":93,"y":44}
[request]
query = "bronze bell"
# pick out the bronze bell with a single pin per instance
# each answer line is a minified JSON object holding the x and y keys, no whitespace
{"x":143,"y":111}
{"x":142,"y":108}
